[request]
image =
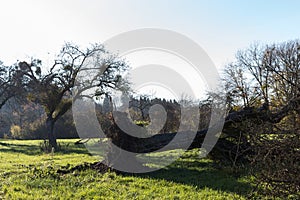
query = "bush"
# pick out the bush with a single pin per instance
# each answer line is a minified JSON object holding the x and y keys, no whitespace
{"x":16,"y":132}
{"x":276,"y":163}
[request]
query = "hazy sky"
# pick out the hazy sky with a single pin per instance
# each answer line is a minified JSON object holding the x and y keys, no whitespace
{"x":36,"y":27}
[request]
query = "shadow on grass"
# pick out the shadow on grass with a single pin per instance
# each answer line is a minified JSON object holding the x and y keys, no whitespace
{"x":19,"y":148}
{"x":188,"y":170}
{"x":201,"y":174}
{"x":35,"y":149}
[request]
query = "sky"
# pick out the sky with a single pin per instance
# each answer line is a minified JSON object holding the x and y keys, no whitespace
{"x":36,"y":28}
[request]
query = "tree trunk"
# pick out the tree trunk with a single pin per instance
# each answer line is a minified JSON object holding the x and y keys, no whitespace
{"x":50,"y":132}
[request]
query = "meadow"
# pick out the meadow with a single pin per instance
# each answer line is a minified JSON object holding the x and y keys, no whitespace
{"x":26,"y":172}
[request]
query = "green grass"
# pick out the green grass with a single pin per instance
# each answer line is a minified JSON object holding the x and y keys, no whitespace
{"x":27,"y":173}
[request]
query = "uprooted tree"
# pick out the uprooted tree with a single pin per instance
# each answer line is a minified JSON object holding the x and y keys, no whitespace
{"x":262,"y":127}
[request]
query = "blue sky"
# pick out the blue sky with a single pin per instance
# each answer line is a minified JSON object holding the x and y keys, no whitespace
{"x":36,"y":28}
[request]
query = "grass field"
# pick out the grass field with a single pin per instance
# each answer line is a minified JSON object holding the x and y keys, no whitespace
{"x":28,"y":173}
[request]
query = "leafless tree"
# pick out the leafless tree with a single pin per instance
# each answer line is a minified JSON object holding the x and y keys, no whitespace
{"x":54,"y":89}
{"x":271,"y":125}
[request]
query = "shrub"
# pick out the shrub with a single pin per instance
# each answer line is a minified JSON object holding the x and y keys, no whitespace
{"x":16,"y":132}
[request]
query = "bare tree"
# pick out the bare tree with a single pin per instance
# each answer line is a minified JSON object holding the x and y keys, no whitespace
{"x":271,"y":126}
{"x":236,"y":85}
{"x":53,"y":89}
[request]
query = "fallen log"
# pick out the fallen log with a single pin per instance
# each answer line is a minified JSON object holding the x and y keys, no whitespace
{"x":184,"y":140}
{"x":233,"y":145}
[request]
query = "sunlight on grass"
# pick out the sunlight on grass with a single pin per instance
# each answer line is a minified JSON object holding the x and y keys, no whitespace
{"x":28,"y":173}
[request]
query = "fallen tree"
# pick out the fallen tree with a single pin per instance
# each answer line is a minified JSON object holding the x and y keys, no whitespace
{"x":264,"y":130}
{"x":158,"y":141}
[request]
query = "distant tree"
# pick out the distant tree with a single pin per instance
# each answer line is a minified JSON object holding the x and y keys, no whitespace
{"x":53,"y":89}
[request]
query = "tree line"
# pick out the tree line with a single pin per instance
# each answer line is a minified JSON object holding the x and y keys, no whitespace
{"x":22,"y":119}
